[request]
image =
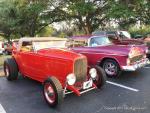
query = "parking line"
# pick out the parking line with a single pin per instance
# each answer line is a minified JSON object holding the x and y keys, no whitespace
{"x":146,"y":67}
{"x":2,"y":110}
{"x":122,"y":86}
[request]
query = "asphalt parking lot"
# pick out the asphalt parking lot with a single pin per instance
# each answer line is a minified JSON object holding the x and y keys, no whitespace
{"x":127,"y":94}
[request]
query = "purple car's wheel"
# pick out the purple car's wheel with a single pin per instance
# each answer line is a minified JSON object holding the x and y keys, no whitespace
{"x":53,"y":92}
{"x":111,"y":68}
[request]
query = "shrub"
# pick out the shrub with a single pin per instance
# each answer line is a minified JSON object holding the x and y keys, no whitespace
{"x":139,"y":31}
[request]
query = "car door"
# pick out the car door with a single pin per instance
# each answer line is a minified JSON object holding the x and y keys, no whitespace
{"x":27,"y":60}
{"x":26,"y":57}
{"x":39,"y":67}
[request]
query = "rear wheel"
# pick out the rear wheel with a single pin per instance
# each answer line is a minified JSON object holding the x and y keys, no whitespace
{"x":11,"y":69}
{"x":111,"y":68}
{"x":7,"y":52}
{"x":53,"y":92}
{"x":101,"y":77}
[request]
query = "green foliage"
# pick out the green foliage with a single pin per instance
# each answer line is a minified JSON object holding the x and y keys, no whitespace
{"x":46,"y":32}
{"x":82,"y":8}
{"x":88,"y":15}
{"x":62,"y":35}
{"x":120,"y":11}
{"x":20,"y":18}
{"x":139,"y":31}
{"x":128,"y":12}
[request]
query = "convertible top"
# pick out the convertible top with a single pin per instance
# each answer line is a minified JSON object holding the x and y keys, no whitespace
{"x":38,"y":39}
{"x":41,"y":39}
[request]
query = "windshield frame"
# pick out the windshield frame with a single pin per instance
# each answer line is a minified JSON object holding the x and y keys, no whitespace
{"x":126,"y":34}
{"x":34,"y":43}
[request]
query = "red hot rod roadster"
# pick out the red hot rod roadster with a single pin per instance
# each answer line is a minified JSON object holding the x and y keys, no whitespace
{"x":61,"y":71}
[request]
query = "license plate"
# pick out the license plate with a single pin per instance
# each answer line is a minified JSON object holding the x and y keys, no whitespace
{"x":87,"y":84}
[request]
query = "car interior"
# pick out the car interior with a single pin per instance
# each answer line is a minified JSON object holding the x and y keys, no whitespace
{"x":76,"y":43}
{"x":26,"y":46}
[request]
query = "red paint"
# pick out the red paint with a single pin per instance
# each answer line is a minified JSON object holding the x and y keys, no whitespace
{"x":45,"y":63}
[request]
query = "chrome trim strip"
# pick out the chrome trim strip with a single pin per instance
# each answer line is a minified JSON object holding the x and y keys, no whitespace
{"x":102,"y":53}
{"x":68,"y":92}
{"x":138,"y":65}
{"x":81,"y":91}
{"x":87,"y":90}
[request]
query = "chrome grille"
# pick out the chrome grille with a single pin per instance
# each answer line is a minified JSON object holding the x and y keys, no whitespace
{"x":136,"y":58}
{"x":80,"y":69}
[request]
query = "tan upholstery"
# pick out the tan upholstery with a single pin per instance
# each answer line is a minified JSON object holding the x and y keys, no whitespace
{"x":26,"y":48}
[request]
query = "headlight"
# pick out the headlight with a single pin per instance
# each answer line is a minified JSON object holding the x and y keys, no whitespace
{"x":93,"y":73}
{"x":128,"y":61}
{"x":146,"y":50}
{"x":71,"y":79}
{"x":130,"y":55}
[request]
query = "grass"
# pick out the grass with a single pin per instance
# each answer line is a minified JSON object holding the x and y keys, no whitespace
{"x":2,"y":58}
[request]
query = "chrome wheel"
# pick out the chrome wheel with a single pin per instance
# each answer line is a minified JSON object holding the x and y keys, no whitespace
{"x":52,"y":91}
{"x":49,"y":93}
{"x":110,"y":68}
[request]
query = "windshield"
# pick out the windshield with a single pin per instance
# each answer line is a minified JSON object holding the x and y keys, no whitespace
{"x":49,"y":44}
{"x":99,"y":41}
{"x":125,"y":34}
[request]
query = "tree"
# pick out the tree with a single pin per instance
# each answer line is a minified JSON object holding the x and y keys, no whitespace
{"x":47,"y":31}
{"x":128,"y":12}
{"x":30,"y":17}
{"x":22,"y":17}
{"x":7,"y":23}
{"x":142,"y":11}
{"x":88,"y":14}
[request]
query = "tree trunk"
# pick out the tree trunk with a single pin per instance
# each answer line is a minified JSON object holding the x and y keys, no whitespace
{"x":82,"y":24}
{"x":32,"y":30}
{"x":88,"y":26}
{"x":22,"y":35}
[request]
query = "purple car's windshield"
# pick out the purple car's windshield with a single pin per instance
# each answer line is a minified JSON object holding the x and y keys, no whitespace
{"x":99,"y":41}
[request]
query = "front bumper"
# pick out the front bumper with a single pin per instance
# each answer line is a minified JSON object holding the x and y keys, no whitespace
{"x":137,"y":65}
{"x":80,"y":90}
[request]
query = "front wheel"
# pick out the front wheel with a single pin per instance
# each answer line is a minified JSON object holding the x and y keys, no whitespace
{"x":111,"y":68}
{"x":53,"y":92}
{"x":101,"y":77}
